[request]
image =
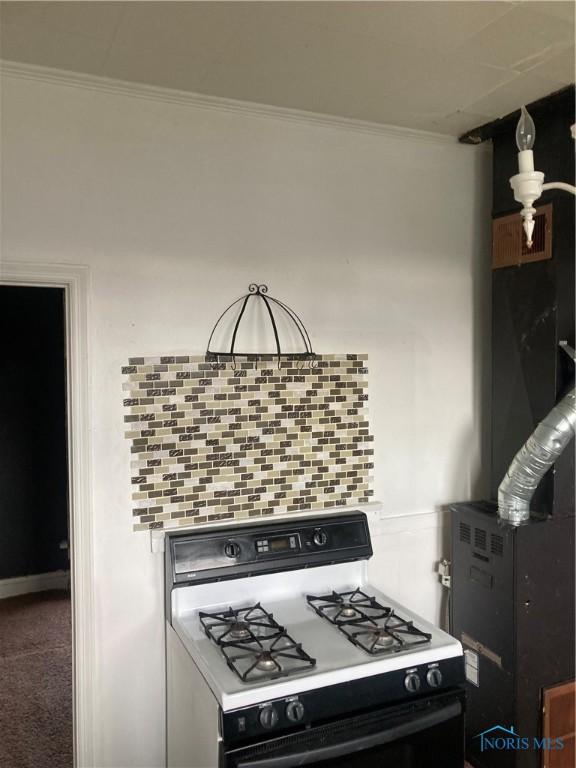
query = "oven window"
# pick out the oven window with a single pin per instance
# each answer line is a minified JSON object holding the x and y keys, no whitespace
{"x":444,"y":741}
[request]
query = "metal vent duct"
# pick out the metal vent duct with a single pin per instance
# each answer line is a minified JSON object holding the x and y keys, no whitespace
{"x":536,"y":456}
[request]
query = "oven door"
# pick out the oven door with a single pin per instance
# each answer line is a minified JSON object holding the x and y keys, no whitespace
{"x":418,"y":735}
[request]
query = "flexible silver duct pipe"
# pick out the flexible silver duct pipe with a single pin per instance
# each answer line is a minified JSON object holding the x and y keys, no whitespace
{"x":536,"y":456}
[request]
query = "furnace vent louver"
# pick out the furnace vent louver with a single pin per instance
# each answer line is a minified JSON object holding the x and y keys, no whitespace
{"x":509,"y":247}
{"x":496,"y":545}
{"x":259,"y":327}
{"x":479,"y":538}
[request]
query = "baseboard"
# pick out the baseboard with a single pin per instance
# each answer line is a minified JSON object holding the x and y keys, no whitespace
{"x":40,"y":582}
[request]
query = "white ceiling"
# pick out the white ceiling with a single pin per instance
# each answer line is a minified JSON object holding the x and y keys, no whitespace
{"x":440,"y":66}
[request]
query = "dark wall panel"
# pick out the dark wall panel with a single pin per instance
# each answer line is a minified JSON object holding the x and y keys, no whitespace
{"x":533,"y":307}
{"x":33,"y":467}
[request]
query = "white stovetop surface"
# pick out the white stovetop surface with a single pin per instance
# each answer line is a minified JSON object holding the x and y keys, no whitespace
{"x":283,"y":594}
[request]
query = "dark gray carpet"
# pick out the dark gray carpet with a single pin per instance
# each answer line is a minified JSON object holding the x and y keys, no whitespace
{"x":36,"y":681}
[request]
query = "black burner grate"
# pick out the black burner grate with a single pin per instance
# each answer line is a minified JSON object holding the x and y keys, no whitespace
{"x":373,"y":627}
{"x":254,"y":645}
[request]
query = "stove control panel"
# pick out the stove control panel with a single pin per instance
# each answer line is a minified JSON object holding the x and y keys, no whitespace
{"x":320,"y":537}
{"x":268,"y":717}
{"x":231,"y":549}
{"x":278,"y":545}
{"x":259,"y":548}
{"x":295,"y":711}
{"x":412,"y":682}
{"x":284,"y":715}
{"x":434,"y":677}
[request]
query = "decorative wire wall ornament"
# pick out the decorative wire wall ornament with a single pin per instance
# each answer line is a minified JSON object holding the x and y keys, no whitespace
{"x":274,"y":308}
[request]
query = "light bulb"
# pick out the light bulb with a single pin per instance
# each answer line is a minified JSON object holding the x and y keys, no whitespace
{"x":525,"y":131}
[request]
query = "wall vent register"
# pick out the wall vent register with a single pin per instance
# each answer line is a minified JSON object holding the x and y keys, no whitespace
{"x":509,"y":246}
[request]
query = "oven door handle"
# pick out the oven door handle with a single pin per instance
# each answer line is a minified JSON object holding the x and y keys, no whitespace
{"x":316,"y":754}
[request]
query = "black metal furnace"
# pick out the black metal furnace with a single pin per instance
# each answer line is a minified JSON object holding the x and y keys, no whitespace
{"x":512,"y":607}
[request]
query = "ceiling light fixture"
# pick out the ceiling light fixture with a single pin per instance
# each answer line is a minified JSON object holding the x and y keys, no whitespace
{"x":528,"y":184}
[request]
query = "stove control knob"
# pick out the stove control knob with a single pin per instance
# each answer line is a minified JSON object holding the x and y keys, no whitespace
{"x":268,"y":717}
{"x":412,"y":682}
{"x":319,"y":537}
{"x":295,"y":711}
{"x":434,"y":678}
{"x":231,"y":549}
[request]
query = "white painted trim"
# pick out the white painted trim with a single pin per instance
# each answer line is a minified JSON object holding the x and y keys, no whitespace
{"x":75,"y":280}
{"x":409,"y":523}
{"x":37,"y":582}
{"x":393,"y":515}
{"x":217,"y":103}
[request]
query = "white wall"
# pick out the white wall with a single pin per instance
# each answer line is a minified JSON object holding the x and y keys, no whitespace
{"x":378,"y":242}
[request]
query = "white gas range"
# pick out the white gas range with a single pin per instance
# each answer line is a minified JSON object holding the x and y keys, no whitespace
{"x":280,"y":654}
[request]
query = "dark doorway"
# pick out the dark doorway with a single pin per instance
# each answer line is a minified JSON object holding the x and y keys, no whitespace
{"x":35,"y":621}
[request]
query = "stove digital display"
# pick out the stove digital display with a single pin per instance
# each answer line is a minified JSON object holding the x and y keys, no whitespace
{"x":275,"y":544}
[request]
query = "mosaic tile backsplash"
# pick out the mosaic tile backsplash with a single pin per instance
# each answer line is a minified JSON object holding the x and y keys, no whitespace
{"x":213,"y":443}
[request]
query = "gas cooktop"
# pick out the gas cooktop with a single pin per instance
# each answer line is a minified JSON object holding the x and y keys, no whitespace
{"x":366,"y":623}
{"x":254,"y":645}
{"x":257,"y":648}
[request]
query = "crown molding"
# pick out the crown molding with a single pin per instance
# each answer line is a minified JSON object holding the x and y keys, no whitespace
{"x":216,"y":103}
